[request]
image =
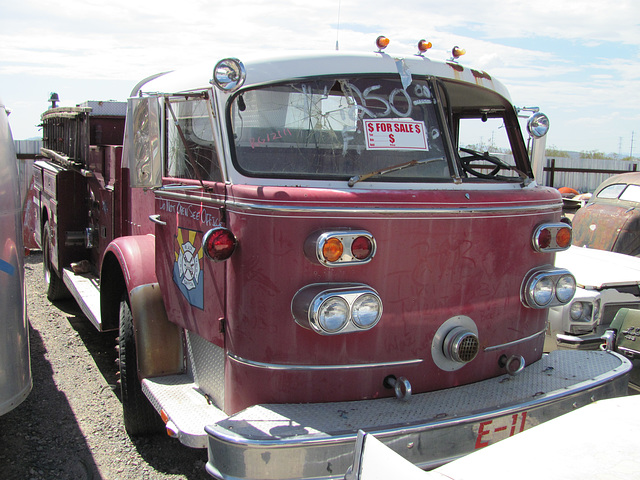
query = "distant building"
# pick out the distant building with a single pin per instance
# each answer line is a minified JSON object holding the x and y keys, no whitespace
{"x":28,"y":149}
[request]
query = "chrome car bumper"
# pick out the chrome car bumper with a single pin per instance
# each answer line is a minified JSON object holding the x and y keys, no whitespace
{"x":305,"y":441}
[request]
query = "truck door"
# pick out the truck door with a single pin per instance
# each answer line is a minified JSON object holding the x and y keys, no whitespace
{"x":187,"y":206}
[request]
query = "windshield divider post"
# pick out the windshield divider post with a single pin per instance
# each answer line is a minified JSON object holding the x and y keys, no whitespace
{"x":446,"y":131}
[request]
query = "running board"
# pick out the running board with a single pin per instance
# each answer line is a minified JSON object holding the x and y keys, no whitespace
{"x":188,"y":408}
{"x":85,"y":289}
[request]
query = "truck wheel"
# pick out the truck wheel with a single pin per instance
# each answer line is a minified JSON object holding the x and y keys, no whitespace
{"x":140,"y":418}
{"x":56,"y":289}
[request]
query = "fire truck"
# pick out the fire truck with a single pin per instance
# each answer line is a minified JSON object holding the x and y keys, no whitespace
{"x":296,"y":248}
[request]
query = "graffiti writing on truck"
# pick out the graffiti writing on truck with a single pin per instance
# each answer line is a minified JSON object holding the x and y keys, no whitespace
{"x":270,"y":137}
{"x":368,"y":99}
{"x":198,"y":212}
{"x":500,"y":428}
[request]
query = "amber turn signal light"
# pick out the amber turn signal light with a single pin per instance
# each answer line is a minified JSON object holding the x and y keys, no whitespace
{"x":423,"y":46}
{"x":332,"y":249}
{"x":382,"y":42}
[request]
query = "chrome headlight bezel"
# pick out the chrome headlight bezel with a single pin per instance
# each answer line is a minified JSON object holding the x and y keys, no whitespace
{"x":540,"y":288}
{"x":310,"y":304}
{"x":582,"y":311}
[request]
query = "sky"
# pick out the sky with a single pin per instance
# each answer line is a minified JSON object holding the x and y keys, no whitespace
{"x":577,"y":60}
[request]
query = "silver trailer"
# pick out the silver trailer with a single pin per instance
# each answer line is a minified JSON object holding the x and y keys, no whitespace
{"x":15,"y":365}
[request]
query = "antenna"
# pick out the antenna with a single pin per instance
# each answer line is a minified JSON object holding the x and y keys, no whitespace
{"x":338,"y":28}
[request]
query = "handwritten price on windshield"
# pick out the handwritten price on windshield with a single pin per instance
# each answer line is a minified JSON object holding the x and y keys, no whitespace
{"x":270,"y":137}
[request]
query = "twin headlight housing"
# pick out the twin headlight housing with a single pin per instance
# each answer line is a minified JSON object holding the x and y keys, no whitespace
{"x":330,"y":309}
{"x":549,"y":287}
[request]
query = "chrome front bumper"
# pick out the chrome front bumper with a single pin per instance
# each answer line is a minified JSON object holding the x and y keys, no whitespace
{"x":305,"y":441}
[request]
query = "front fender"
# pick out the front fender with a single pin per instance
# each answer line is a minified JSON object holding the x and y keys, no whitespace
{"x":128,"y":266}
{"x":136,"y":256}
{"x":128,"y":262}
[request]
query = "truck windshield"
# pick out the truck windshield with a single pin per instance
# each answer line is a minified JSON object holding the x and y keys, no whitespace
{"x":340,"y":129}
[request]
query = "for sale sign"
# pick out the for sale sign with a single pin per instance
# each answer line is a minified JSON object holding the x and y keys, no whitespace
{"x":395,"y":134}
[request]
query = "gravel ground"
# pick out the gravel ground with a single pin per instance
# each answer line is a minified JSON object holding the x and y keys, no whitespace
{"x":70,"y":426}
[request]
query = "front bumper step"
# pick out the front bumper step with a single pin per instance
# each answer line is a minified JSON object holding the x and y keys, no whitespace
{"x":299,"y":441}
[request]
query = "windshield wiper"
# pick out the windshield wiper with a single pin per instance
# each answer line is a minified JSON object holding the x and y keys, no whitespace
{"x":358,"y":178}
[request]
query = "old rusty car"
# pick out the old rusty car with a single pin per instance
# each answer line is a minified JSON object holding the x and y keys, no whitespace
{"x":611,"y":219}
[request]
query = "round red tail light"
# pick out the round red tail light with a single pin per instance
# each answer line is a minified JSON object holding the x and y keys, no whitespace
{"x":361,"y":248}
{"x":219,"y":244}
{"x":544,"y":238}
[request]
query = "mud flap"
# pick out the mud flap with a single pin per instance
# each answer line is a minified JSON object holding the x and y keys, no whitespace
{"x":158,"y":341}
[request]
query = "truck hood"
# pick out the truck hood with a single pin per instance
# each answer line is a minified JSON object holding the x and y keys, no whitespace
{"x":598,"y":269}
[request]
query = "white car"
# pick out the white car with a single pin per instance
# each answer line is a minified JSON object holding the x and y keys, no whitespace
{"x":607,"y":282}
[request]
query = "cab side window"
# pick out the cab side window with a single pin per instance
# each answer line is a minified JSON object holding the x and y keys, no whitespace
{"x":191,"y":149}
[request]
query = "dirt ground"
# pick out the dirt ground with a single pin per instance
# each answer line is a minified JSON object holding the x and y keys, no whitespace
{"x":70,"y":426}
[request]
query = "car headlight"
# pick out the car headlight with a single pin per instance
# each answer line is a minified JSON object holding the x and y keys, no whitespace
{"x":581,"y":311}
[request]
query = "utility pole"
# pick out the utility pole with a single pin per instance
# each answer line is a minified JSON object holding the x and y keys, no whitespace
{"x":620,"y":148}
{"x":631,"y":152}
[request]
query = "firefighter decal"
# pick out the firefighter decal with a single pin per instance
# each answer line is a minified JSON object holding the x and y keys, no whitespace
{"x":187,"y":269}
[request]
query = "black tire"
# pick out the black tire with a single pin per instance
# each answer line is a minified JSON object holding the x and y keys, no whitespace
{"x":56,"y":289}
{"x":140,"y":418}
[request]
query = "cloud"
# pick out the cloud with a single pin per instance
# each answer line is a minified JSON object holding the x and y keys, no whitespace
{"x":575,"y":58}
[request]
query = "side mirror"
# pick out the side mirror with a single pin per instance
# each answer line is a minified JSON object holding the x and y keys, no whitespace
{"x":141,"y":152}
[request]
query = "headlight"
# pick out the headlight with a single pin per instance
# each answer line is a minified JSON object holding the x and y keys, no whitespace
{"x":581,"y":311}
{"x":333,"y":314}
{"x":565,"y":288}
{"x":576,"y":311}
{"x":542,"y":291}
{"x":538,"y":125}
{"x":548,"y":287}
{"x":336,"y":308}
{"x":366,"y":310}
{"x":229,"y":74}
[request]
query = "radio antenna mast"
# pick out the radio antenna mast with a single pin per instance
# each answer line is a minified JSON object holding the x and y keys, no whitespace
{"x":338,"y":28}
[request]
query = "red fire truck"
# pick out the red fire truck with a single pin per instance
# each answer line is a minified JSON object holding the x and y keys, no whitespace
{"x":297,"y":248}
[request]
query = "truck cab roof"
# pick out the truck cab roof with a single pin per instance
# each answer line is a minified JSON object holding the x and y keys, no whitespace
{"x":264,"y":70}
